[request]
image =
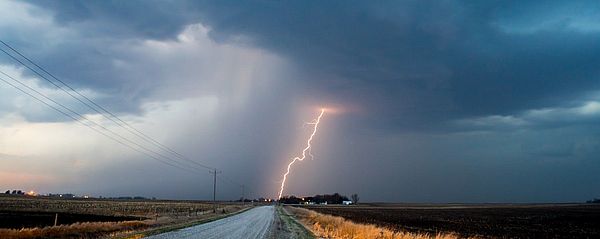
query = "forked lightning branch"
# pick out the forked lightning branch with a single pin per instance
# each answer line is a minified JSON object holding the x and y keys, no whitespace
{"x":315,"y":123}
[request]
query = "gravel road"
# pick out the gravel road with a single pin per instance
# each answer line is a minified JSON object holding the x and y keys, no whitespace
{"x":254,"y":223}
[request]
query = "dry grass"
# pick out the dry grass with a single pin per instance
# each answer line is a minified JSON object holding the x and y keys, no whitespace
{"x":157,"y":214}
{"x":328,"y":226}
{"x":77,"y":230}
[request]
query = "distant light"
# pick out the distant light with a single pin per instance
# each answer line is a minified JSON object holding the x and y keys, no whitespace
{"x":31,"y":193}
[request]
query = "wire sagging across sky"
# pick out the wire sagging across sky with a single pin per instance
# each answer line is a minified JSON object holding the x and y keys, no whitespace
{"x":306,"y":150}
{"x":151,"y":147}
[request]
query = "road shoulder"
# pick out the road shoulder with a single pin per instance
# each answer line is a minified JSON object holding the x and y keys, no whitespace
{"x":173,"y":227}
{"x":286,"y":226}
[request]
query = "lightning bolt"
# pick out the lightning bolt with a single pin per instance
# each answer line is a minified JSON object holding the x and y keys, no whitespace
{"x":307,"y":149}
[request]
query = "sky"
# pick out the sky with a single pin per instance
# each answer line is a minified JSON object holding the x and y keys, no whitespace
{"x":427,"y":101}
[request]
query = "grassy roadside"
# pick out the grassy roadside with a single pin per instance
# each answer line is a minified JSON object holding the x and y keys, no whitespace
{"x":296,"y":229}
{"x":76,"y":230}
{"x":173,"y":227}
{"x":327,"y":226}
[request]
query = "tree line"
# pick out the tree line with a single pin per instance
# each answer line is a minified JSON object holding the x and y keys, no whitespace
{"x":335,"y":198}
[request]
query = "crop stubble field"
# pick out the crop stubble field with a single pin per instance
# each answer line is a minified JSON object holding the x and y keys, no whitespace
{"x":36,"y":215}
{"x":488,"y":220}
{"x":105,"y":207}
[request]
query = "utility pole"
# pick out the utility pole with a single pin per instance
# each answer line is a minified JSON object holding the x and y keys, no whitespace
{"x":215,"y":172}
{"x":243,"y":199}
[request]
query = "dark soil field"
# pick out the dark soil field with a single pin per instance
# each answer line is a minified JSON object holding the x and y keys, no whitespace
{"x":495,"y":221}
{"x":18,"y":220}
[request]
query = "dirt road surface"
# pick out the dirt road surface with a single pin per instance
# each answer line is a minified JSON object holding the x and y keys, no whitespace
{"x":254,"y":223}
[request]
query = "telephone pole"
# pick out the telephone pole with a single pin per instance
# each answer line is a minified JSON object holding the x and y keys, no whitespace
{"x":215,"y":172}
{"x":243,"y":199}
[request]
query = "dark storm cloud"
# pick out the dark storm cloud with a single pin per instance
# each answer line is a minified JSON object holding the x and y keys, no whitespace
{"x":412,"y":62}
{"x":427,"y":60}
{"x":441,"y":94}
{"x":97,"y":35}
{"x":121,"y":19}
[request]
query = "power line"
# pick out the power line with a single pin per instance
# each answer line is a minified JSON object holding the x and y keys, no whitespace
{"x":106,"y":114}
{"x":229,"y":180}
{"x":223,"y":178}
{"x":82,"y":117}
{"x":98,"y":109}
{"x":89,"y":126}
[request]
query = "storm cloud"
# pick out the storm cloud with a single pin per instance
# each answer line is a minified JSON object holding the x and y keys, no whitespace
{"x":435,"y":101}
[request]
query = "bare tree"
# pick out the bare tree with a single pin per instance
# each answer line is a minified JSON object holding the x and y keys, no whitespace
{"x":355,"y":198}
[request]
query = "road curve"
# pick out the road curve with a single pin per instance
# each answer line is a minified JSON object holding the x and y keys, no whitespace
{"x":254,"y":223}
